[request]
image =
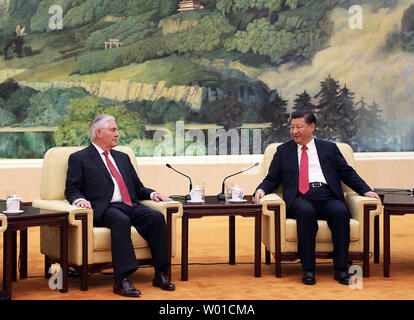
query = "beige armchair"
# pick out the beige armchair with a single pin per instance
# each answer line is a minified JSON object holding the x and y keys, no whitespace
{"x":279,"y":233}
{"x":89,"y":247}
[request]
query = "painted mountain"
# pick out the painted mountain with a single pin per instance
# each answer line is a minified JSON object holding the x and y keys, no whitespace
{"x":235,"y":66}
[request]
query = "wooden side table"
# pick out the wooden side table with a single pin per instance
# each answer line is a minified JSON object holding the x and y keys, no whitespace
{"x":31,"y":217}
{"x":394,"y":204}
{"x":214,"y":207}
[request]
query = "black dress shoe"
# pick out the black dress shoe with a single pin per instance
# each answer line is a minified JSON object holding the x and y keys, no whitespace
{"x":309,"y":277}
{"x":161,"y":280}
{"x":126,"y":289}
{"x":342,"y":277}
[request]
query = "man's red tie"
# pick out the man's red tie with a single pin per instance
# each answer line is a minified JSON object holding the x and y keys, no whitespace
{"x":303,"y":172}
{"x":121,"y":183}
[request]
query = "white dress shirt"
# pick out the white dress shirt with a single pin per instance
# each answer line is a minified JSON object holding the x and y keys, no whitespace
{"x":314,"y":166}
{"x":116,"y":196}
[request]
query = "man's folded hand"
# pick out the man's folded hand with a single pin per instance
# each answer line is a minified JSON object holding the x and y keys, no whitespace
{"x":83,"y":204}
{"x":160,"y":197}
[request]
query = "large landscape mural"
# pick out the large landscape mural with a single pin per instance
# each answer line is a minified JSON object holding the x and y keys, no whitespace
{"x":180,"y":75}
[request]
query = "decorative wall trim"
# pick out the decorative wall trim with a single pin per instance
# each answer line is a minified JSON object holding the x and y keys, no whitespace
{"x":229,"y":159}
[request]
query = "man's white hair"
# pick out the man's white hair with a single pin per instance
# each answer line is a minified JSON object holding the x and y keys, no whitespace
{"x":99,"y":122}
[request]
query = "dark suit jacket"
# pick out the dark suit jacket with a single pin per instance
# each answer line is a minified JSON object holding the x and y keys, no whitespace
{"x":284,"y":170}
{"x":87,"y":177}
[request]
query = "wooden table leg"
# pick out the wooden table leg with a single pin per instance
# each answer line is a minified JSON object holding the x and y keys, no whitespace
{"x":376,"y":240}
{"x":13,"y":243}
{"x":47,"y":267}
{"x":257,"y":244}
{"x":23,"y":254}
{"x":232,"y":240}
{"x":83,"y":217}
{"x":184,"y":248}
{"x":169,"y":240}
{"x":278,"y":252}
{"x":365,"y":265}
{"x":64,"y":255}
{"x":386,"y":242}
{"x":7,"y":260}
{"x":267,"y":256}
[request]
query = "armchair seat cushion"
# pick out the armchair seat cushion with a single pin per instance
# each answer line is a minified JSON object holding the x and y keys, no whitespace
{"x":102,"y":239}
{"x":324,"y":233}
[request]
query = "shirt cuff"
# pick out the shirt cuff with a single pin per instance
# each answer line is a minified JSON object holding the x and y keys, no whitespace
{"x":77,"y":200}
{"x":152,"y":194}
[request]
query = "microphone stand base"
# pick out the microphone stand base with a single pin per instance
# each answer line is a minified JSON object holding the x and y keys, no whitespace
{"x":221,"y":196}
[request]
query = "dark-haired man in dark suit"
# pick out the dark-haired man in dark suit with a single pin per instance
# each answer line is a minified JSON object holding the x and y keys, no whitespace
{"x":310,"y":171}
{"x":105,"y":180}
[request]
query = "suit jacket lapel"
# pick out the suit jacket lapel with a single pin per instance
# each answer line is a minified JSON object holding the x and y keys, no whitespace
{"x":322,"y":155}
{"x":96,"y":157}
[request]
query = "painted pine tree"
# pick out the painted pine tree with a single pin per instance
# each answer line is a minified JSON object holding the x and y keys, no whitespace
{"x":380,"y":127}
{"x":276,"y":113}
{"x":304,"y":103}
{"x":327,"y":110}
{"x":365,"y":133}
{"x":231,"y":114}
{"x":346,"y":111}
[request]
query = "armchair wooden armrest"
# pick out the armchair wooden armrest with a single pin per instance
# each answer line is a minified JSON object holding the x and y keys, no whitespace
{"x":3,"y":219}
{"x":356,"y":203}
{"x":80,"y":222}
{"x":162,"y":207}
{"x":64,"y":205}
{"x":172,"y":210}
{"x":270,"y":203}
{"x":366,"y":211}
{"x":273,"y":226}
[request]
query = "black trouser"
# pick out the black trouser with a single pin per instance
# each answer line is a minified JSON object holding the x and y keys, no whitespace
{"x":149,"y":223}
{"x":321,"y":204}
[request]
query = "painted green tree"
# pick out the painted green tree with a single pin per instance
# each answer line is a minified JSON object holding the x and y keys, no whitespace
{"x":276,"y":113}
{"x":346,"y":112}
{"x":303,"y":102}
{"x":74,"y":130}
{"x":327,"y":110}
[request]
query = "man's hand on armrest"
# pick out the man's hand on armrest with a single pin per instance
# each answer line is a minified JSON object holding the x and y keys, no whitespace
{"x":82,"y":203}
{"x":258,"y":195}
{"x":372,"y":194}
{"x":160,"y":197}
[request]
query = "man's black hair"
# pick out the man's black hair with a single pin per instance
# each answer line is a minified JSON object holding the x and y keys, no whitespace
{"x":308,"y":116}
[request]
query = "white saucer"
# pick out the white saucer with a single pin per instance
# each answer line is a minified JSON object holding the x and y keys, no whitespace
{"x":237,"y":200}
{"x":7,"y":211}
{"x":195,"y":201}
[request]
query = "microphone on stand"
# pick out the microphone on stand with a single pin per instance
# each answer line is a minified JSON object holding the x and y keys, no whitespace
{"x":187,"y":197}
{"x":222,"y":196}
